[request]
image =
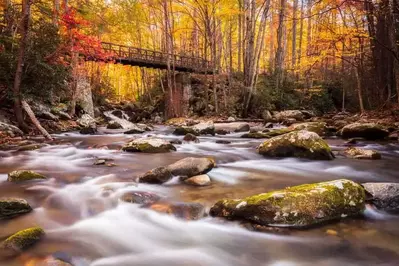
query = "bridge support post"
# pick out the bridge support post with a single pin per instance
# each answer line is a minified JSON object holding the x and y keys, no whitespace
{"x":183,"y":87}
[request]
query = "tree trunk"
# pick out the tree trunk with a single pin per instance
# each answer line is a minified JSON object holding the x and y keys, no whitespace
{"x":26,"y":6}
{"x":34,"y":120}
{"x":294,"y":24}
{"x":280,"y":49}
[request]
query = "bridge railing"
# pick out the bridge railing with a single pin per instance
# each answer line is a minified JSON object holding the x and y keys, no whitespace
{"x":155,"y":57}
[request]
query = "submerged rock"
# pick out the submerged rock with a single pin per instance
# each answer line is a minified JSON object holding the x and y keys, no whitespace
{"x":11,"y":207}
{"x":21,"y":241}
{"x":140,"y":197}
{"x":182,"y":131}
{"x":199,"y":180}
{"x":149,"y":145}
{"x":299,"y":206}
{"x":384,"y":196}
{"x":369,"y":131}
{"x":190,"y":137}
{"x":316,"y":127}
{"x":222,"y":141}
{"x":187,"y":211}
{"x":24,"y":175}
{"x":190,"y":166}
{"x":157,"y":175}
{"x":358,"y":153}
{"x":301,"y":144}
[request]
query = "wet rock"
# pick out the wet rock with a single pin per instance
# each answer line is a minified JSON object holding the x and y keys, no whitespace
{"x":316,"y":127}
{"x":222,"y":141}
{"x":114,"y":125}
{"x":118,"y":113}
{"x":394,"y":136}
{"x":11,"y":207}
{"x":182,"y":131}
{"x":257,"y":129}
{"x":158,"y":175}
{"x":289,"y":114}
{"x":199,"y":180}
{"x":103,"y":161}
{"x":255,"y":135}
{"x":176,"y":142}
{"x":190,"y":137}
{"x":308,"y":114}
{"x":353,"y":141}
{"x":289,"y":121}
{"x":369,"y":131}
{"x":301,"y":144}
{"x":269,"y":125}
{"x":24,"y":175}
{"x":231,"y":119}
{"x":190,"y":166}
{"x":232,"y":127}
{"x":10,"y":130}
{"x":182,"y":210}
{"x":205,"y":128}
{"x":384,"y":196}
{"x":140,"y":197}
{"x":21,"y":241}
{"x":221,"y":131}
{"x":86,"y":121}
{"x":299,"y":206}
{"x":135,"y":130}
{"x":267,"y":133}
{"x":31,"y":147}
{"x":91,"y":130}
{"x":149,"y":145}
{"x":357,"y":153}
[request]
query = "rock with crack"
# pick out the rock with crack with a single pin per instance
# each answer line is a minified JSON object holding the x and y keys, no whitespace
{"x":190,"y":166}
{"x":300,"y":144}
{"x":357,"y":153}
{"x":149,"y":145}
{"x":384,"y":196}
{"x":298,"y":206}
{"x":11,"y":207}
{"x":24,"y":175}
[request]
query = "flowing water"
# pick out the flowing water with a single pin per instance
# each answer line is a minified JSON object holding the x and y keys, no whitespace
{"x":85,"y":222}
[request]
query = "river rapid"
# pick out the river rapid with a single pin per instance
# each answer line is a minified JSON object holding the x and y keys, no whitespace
{"x":87,"y":224}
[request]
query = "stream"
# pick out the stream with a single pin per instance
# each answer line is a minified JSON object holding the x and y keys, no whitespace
{"x":84,"y":221}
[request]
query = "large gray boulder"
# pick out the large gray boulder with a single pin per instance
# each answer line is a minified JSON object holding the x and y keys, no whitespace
{"x":149,"y":145}
{"x":369,"y":131}
{"x":11,"y":207}
{"x":384,"y":196}
{"x":300,"y":144}
{"x":232,"y":127}
{"x":298,"y":206}
{"x":190,"y":166}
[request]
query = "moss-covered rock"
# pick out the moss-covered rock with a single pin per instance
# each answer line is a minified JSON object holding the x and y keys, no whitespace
{"x":301,"y":144}
{"x":157,"y":175}
{"x":11,"y":207}
{"x":316,"y":127}
{"x":21,"y":241}
{"x":357,"y":153}
{"x":299,"y":206}
{"x":24,"y":175}
{"x":182,"y":131}
{"x":369,"y":131}
{"x":255,"y":135}
{"x":190,"y":166}
{"x":149,"y":145}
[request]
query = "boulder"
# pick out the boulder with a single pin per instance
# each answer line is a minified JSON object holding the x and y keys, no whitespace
{"x":182,"y":210}
{"x":232,"y":127}
{"x":10,"y":130}
{"x":205,"y":128}
{"x":369,"y":131}
{"x":190,"y":166}
{"x":231,"y":119}
{"x":149,"y":145}
{"x":135,"y":129}
{"x":289,"y":114}
{"x":222,"y":141}
{"x":199,"y":180}
{"x":255,"y":135}
{"x":24,"y":175}
{"x":316,"y":127}
{"x":190,"y":137}
{"x":301,"y":144}
{"x":114,"y":125}
{"x":384,"y":196}
{"x":221,"y":132}
{"x":157,"y":175}
{"x":140,"y":197}
{"x":176,"y":141}
{"x":118,"y":113}
{"x":182,"y":131}
{"x":86,"y":121}
{"x":90,"y":130}
{"x":357,"y":153}
{"x":11,"y":207}
{"x":267,"y":133}
{"x":298,"y":206}
{"x":21,"y":241}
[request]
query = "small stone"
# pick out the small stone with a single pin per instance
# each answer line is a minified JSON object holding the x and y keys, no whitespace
{"x":199,"y":180}
{"x":158,"y":175}
{"x":24,"y":175}
{"x":182,"y":131}
{"x":182,"y":210}
{"x":149,"y":145}
{"x":11,"y":207}
{"x":331,"y":232}
{"x":221,"y":141}
{"x":100,"y":162}
{"x":140,"y":197}
{"x":21,"y":241}
{"x":190,"y":137}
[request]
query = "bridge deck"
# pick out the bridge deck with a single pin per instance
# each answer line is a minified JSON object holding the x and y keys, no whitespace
{"x":153,"y":59}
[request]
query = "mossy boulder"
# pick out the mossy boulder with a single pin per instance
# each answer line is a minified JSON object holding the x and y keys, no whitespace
{"x":316,"y":127}
{"x":21,"y":241}
{"x":182,"y":131}
{"x":298,"y":206}
{"x":190,"y":166}
{"x":384,"y":196}
{"x":369,"y":131}
{"x":357,"y":153}
{"x":24,"y":175}
{"x":11,"y":207}
{"x":157,"y":175}
{"x":289,"y":114}
{"x":149,"y":145}
{"x":300,"y":144}
{"x":267,"y":133}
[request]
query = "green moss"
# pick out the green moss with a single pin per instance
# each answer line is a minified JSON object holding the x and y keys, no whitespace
{"x":23,"y":239}
{"x":24,"y":175}
{"x":148,"y":148}
{"x":10,"y":207}
{"x":316,"y":127}
{"x":297,"y":206}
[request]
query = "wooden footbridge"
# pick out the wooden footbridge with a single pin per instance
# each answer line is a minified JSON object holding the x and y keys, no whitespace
{"x":154,"y":59}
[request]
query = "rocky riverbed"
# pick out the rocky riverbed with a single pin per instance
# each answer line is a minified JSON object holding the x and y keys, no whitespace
{"x":219,"y":196}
